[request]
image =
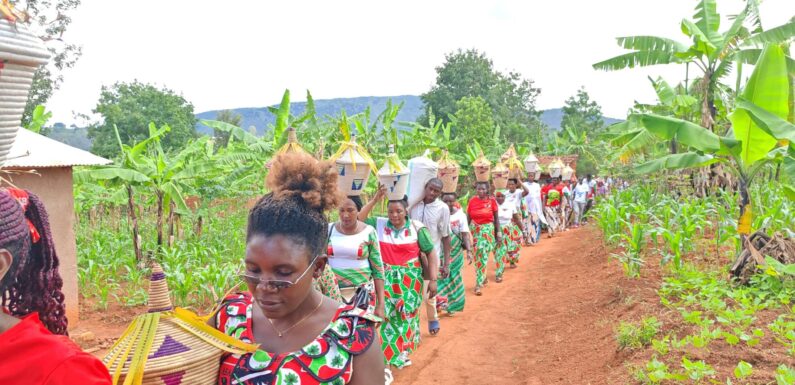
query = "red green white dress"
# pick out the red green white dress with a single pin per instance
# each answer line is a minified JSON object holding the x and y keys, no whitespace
{"x":327,"y":360}
{"x":400,"y":250}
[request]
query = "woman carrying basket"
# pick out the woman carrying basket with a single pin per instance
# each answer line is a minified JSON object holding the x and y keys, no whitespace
{"x":304,"y":337}
{"x":452,"y":287}
{"x":482,"y":212}
{"x":405,"y":245}
{"x":355,"y":255}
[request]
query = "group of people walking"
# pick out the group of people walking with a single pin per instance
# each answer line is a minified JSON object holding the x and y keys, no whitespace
{"x":328,"y":302}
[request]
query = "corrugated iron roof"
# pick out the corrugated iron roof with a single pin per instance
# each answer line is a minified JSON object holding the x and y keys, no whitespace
{"x":31,"y":150}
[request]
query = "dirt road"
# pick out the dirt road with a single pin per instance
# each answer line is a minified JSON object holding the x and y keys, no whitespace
{"x":549,"y":322}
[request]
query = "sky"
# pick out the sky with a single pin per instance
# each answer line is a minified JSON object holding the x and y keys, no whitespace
{"x":240,"y":53}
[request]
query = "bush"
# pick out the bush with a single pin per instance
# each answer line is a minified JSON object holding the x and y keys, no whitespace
{"x":634,"y":336}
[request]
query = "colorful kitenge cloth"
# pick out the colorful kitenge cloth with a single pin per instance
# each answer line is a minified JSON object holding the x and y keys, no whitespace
{"x":327,"y":284}
{"x":328,"y":360}
{"x":510,"y":243}
{"x":400,"y":249}
{"x":452,"y":287}
{"x":483,"y":245}
{"x":355,"y":260}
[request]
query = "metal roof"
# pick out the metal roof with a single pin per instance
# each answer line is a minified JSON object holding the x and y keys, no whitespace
{"x":31,"y":150}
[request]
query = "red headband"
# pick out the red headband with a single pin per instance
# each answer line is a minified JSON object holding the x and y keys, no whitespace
{"x":22,"y":197}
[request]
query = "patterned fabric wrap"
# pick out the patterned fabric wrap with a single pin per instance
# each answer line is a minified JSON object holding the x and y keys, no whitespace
{"x":400,"y":333}
{"x":328,"y":360}
{"x":511,"y":242}
{"x":452,"y":287}
{"x":484,"y":244}
{"x":327,"y":284}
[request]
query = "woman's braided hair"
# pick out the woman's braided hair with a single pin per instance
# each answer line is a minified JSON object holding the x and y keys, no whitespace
{"x":32,"y":284}
{"x":302,"y":189}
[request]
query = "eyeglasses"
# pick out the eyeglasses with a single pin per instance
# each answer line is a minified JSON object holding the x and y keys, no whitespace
{"x":275,"y":284}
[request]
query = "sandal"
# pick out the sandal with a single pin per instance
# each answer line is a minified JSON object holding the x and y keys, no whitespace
{"x":478,"y":292}
{"x":433,"y":327}
{"x":513,"y":265}
{"x":498,"y":279}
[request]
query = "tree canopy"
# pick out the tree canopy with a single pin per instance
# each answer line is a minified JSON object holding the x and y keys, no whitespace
{"x":131,"y":107}
{"x":470,"y":73}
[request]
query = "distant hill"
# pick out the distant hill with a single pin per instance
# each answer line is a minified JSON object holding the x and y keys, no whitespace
{"x":261,"y":118}
{"x":554,"y":117}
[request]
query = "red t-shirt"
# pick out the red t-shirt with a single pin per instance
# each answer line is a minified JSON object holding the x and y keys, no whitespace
{"x":32,"y":355}
{"x":482,"y":211}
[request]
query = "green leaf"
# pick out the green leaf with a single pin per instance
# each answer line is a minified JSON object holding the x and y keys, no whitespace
{"x":686,"y":132}
{"x":235,"y":131}
{"x":708,"y":19}
{"x":789,"y":191}
{"x":636,"y":59}
{"x":677,"y":161}
{"x":703,"y":42}
{"x":282,"y":118}
{"x":651,"y":43}
{"x":775,"y":35}
{"x":743,"y":370}
{"x":767,"y":88}
{"x":123,"y":174}
{"x":772,"y":124}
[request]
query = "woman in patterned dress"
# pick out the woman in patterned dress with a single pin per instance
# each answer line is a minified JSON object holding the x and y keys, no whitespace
{"x":305,"y":338}
{"x":510,"y":220}
{"x":401,"y":241}
{"x":452,"y":287}
{"x":482,"y":213}
{"x":355,"y":256}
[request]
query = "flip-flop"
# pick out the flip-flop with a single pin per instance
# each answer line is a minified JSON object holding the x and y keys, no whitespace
{"x":498,"y":279}
{"x":478,"y":292}
{"x":433,"y":327}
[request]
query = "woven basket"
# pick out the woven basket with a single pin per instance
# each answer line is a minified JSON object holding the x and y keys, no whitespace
{"x":531,"y":163}
{"x":394,"y":175}
{"x":555,"y":168}
{"x":567,"y":172}
{"x":292,"y":145}
{"x":500,"y":176}
{"x":508,"y":154}
{"x":449,"y":171}
{"x":482,"y":169}
{"x":354,"y":166}
{"x":169,"y":346}
{"x":21,"y":54}
{"x":515,"y":168}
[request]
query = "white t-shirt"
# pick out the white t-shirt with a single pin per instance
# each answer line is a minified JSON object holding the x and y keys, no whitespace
{"x":581,"y":192}
{"x":458,"y":222}
{"x":515,"y":197}
{"x":505,"y":213}
{"x":436,"y":217}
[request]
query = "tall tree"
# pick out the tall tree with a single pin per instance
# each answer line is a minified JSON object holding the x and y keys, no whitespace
{"x":581,"y":114}
{"x":131,"y":107}
{"x":470,"y":73}
{"x":474,"y":120}
{"x":226,"y":116}
{"x":49,"y":19}
{"x":714,"y":53}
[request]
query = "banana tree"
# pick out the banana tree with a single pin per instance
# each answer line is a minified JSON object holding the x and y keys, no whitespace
{"x":761,"y":133}
{"x":714,"y":53}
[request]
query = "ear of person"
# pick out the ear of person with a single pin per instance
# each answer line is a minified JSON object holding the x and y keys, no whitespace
{"x":5,"y":262}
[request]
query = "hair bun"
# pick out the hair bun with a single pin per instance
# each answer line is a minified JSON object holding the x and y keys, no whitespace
{"x":296,"y":175}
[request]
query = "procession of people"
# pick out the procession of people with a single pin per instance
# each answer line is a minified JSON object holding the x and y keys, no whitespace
{"x":325,"y":302}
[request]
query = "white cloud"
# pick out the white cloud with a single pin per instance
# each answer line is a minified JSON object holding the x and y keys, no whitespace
{"x":245,"y":53}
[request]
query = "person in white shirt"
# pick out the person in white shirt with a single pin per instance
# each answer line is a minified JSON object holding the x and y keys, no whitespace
{"x":516,"y":194}
{"x":535,"y":210}
{"x":435,"y":215}
{"x":510,"y":221}
{"x":452,"y":287}
{"x":580,"y":200}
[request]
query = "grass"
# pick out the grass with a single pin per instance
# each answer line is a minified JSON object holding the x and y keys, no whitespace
{"x":634,"y":336}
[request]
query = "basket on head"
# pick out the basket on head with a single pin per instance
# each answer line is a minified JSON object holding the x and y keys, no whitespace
{"x":482,"y":168}
{"x":21,"y":54}
{"x":448,"y":173}
{"x":394,"y":175}
{"x":515,"y":168}
{"x":500,"y":176}
{"x":508,"y":154}
{"x":567,"y":172}
{"x":168,"y":345}
{"x":531,"y":163}
{"x":354,"y":166}
{"x":292,"y":145}
{"x":555,"y":168}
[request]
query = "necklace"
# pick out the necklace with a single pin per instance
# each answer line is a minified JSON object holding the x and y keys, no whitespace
{"x":281,"y":333}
